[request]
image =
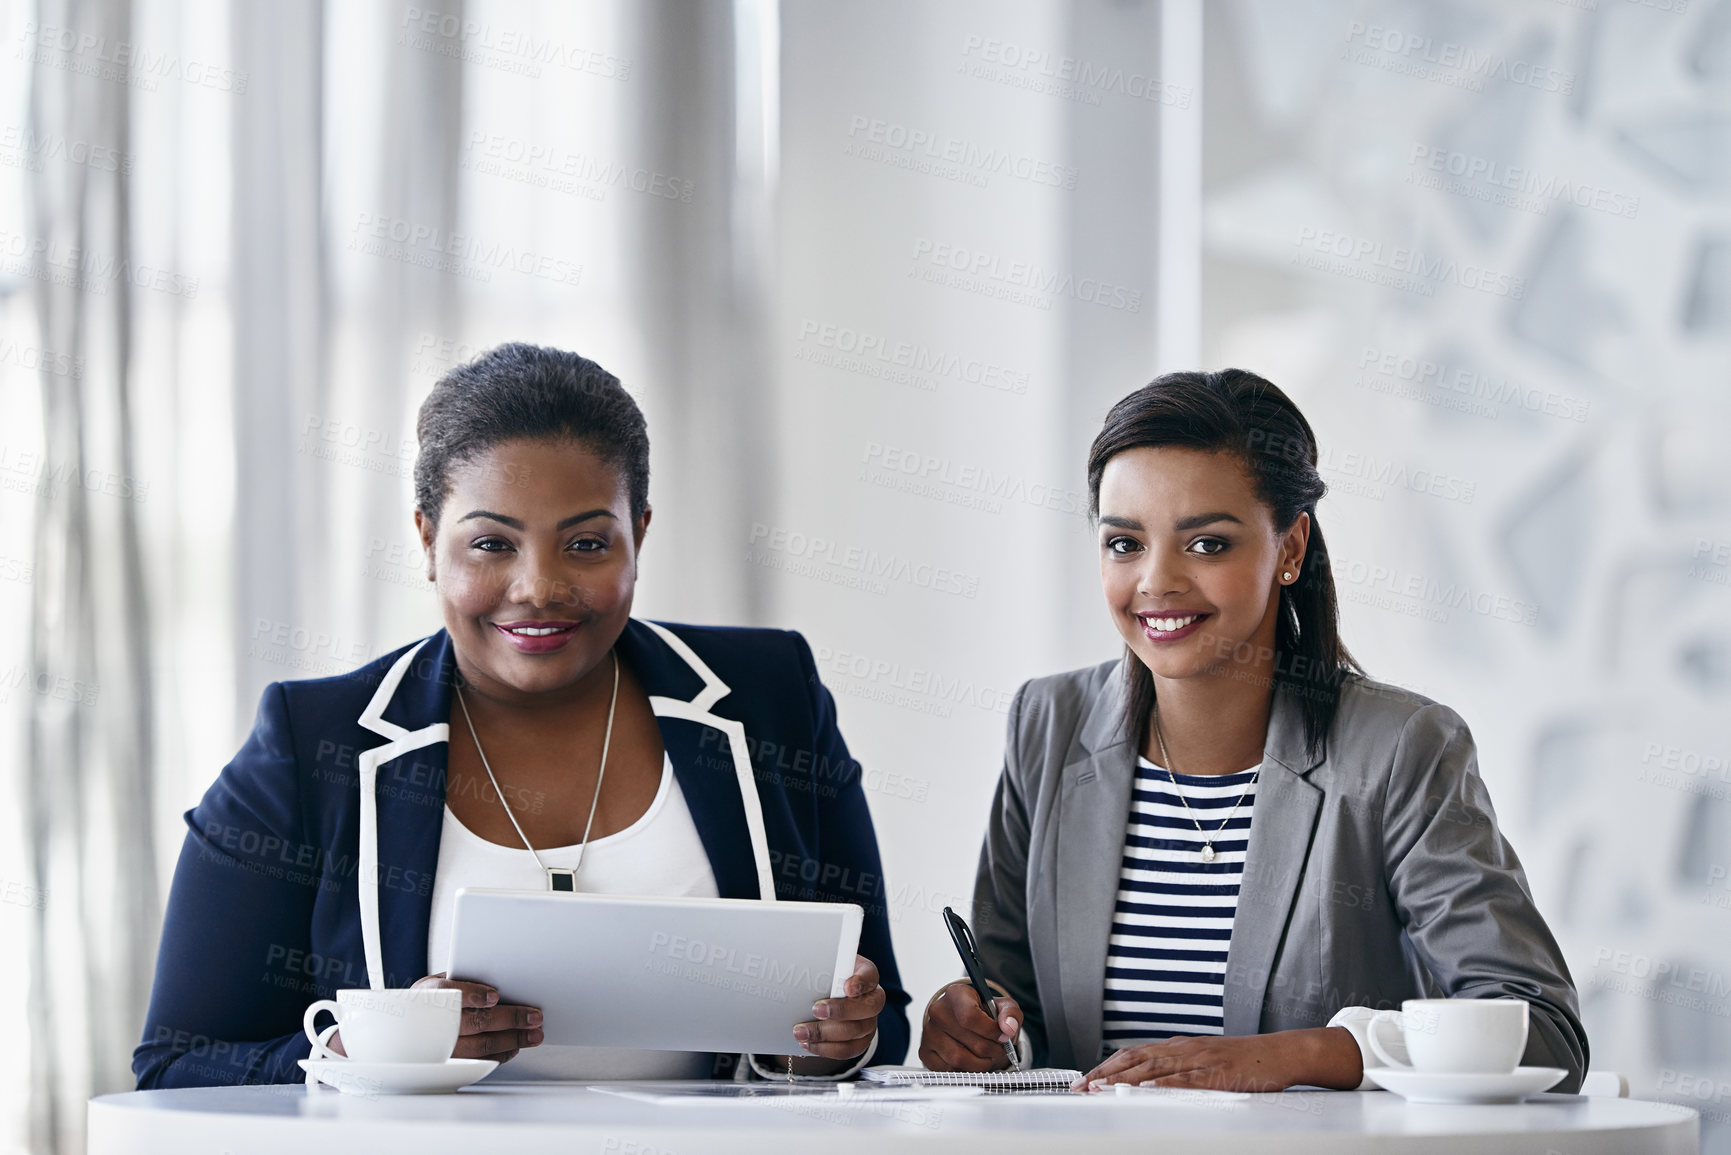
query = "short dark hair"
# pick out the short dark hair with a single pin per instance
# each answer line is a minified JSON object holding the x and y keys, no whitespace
{"x":519,"y":391}
{"x":1237,"y":412}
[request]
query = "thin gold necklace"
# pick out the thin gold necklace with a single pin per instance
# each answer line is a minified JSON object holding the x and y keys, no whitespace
{"x":1207,"y":841}
{"x":558,"y":878}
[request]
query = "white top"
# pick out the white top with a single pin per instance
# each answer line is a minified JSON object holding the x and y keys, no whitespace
{"x":1172,"y":921}
{"x":659,"y":854}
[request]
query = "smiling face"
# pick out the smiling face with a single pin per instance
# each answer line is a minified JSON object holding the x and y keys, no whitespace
{"x":1191,"y":561}
{"x":535,"y":561}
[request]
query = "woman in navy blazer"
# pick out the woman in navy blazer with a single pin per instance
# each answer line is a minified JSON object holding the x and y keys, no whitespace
{"x":309,"y":865}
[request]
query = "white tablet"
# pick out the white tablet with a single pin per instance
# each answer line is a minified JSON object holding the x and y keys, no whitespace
{"x":659,"y":974}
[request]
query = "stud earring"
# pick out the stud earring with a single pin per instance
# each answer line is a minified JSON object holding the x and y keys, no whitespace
{"x":1287,"y":576}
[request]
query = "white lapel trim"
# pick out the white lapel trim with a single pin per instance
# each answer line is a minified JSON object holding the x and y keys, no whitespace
{"x":697,"y":710}
{"x":401,"y":742}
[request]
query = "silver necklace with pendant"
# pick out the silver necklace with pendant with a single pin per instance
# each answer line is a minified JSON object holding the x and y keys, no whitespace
{"x":1208,"y":853}
{"x":558,"y":878}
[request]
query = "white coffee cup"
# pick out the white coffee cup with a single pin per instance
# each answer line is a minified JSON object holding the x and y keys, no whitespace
{"x":1455,"y":1036}
{"x":390,"y":1026}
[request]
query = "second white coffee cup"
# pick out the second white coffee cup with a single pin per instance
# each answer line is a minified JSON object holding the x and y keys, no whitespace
{"x":391,"y":1026}
{"x":1454,"y":1036}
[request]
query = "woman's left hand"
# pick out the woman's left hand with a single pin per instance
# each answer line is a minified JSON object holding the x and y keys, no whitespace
{"x":1324,"y":1057}
{"x":844,"y":1027}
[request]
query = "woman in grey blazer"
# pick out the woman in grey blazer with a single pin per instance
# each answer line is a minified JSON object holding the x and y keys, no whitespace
{"x":1210,"y":861}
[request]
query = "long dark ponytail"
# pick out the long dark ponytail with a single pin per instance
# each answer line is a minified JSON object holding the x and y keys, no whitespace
{"x":1237,"y":412}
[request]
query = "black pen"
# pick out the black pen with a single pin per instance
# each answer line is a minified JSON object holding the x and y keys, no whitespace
{"x":964,"y":940}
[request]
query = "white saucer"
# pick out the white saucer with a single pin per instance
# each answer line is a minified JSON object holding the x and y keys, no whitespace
{"x":371,"y":1080}
{"x":1425,"y":1087}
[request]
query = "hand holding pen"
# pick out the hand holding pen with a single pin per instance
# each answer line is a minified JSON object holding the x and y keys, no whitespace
{"x":970,"y":1025}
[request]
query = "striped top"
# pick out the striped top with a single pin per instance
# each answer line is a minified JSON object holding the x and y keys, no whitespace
{"x":1172,"y":924}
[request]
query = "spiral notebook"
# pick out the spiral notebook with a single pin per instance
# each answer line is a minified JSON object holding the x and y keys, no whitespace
{"x":1039,"y":1080}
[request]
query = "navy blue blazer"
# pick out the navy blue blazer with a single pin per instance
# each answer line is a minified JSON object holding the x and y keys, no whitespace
{"x":268,"y":910}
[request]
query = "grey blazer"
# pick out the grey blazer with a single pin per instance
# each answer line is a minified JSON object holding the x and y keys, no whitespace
{"x":1374,"y":873}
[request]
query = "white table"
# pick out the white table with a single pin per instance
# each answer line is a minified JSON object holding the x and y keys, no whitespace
{"x":526,"y":1119}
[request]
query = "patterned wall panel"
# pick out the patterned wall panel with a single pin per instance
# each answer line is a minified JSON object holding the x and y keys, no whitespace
{"x":1488,"y":247}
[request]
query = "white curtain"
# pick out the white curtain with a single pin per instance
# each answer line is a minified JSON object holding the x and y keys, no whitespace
{"x":279,"y":307}
{"x":88,"y":773}
{"x":699,"y":285}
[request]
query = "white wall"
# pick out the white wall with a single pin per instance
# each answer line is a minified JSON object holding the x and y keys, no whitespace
{"x":931,"y":421}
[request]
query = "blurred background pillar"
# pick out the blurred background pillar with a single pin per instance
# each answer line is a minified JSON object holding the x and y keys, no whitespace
{"x":415,"y":187}
{"x":279,"y":307}
{"x":706,"y":105}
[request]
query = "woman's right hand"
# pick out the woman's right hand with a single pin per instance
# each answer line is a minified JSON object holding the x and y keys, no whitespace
{"x":491,"y":1029}
{"x":958,"y":1034}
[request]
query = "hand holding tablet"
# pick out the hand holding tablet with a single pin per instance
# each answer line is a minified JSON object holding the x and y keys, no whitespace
{"x":845,"y":1025}
{"x":488,"y":1028}
{"x":491,"y":1029}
